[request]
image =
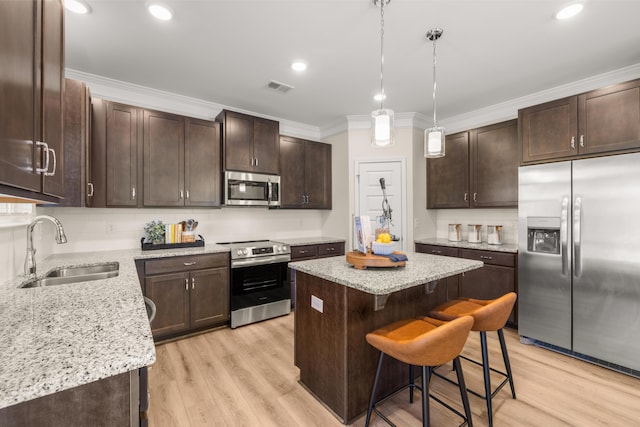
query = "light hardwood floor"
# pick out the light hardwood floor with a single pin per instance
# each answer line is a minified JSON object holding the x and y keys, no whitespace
{"x":246,"y":377}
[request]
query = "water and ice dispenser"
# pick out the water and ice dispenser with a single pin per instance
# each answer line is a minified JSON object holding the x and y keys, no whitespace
{"x":543,"y":235}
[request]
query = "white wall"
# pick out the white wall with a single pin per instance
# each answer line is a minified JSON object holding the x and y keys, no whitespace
{"x":13,"y":249}
{"x":508,"y":218}
{"x":336,"y":221}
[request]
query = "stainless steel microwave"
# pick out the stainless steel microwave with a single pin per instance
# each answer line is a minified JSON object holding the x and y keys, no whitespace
{"x":251,"y":189}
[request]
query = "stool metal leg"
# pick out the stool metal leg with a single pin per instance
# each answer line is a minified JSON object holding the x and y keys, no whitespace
{"x":412,"y":383}
{"x":487,"y":377}
{"x":426,"y":375}
{"x":373,"y":390}
{"x":463,"y":390}
{"x":507,"y":365}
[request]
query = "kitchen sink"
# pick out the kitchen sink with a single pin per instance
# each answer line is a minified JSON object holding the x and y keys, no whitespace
{"x":67,"y":275}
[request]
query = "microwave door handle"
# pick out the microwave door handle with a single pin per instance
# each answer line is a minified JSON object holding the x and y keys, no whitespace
{"x":564,"y":235}
{"x":270,"y":191}
{"x":577,"y":258}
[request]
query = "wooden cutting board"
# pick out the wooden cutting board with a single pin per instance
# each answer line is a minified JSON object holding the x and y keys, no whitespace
{"x":361,"y":261}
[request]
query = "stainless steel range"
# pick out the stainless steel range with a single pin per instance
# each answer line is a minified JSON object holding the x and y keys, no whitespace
{"x":259,"y":286}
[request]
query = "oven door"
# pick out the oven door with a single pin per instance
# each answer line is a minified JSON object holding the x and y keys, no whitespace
{"x":259,"y":292}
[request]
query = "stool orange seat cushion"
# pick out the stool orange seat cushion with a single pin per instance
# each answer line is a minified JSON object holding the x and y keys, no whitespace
{"x":488,"y":315}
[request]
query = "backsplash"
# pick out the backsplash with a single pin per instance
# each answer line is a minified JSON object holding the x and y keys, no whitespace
{"x":508,"y":218}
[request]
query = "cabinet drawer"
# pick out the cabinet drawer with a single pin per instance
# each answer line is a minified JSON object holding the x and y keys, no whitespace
{"x":436,"y":250}
{"x":185,"y":263}
{"x":304,"y":252}
{"x":330,"y":249}
{"x":489,"y":257}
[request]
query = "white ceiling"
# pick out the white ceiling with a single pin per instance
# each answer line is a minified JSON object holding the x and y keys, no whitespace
{"x":227,"y":51}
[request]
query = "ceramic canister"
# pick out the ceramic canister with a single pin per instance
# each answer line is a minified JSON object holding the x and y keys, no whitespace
{"x":454,"y":232}
{"x":474,"y":233}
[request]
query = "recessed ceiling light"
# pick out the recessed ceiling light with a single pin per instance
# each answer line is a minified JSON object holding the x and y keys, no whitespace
{"x":160,"y":11}
{"x":570,"y":10}
{"x":379,"y":97}
{"x":299,"y":66}
{"x":77,"y":6}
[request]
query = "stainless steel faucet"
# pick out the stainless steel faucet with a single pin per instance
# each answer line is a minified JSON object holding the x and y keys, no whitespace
{"x":30,"y":261}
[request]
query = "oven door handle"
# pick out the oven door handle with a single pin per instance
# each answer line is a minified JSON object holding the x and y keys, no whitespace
{"x":274,"y":259}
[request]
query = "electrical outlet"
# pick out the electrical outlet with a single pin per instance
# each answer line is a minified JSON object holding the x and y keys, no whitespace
{"x":317,"y":303}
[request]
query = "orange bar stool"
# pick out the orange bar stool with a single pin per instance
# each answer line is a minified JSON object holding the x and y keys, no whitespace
{"x":426,"y":343}
{"x":488,"y":315}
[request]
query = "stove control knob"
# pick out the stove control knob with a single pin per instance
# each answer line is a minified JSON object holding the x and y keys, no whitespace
{"x":245,"y":252}
{"x":285,"y":249}
{"x":279,"y":248}
{"x":239,"y":252}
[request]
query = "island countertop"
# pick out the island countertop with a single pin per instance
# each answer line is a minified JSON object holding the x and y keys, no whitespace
{"x":420,"y":268}
{"x":59,"y":337}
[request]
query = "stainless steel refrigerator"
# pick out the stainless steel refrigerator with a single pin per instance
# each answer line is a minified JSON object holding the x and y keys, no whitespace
{"x":579,"y":257}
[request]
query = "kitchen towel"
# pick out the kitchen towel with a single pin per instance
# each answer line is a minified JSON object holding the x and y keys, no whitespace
{"x":396,"y":257}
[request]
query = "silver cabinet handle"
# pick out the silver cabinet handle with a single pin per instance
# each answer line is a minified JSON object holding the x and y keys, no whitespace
{"x":581,"y":141}
{"x":475,"y":196}
{"x":186,"y":284}
{"x":302,"y":196}
{"x":133,"y":193}
{"x":181,"y":194}
{"x":187,"y":194}
{"x":187,"y":264}
{"x":256,"y":161}
{"x":577,"y":259}
{"x":466,"y":197}
{"x":573,"y":142}
{"x":193,"y":283}
{"x":90,"y":185}
{"x":564,"y":235}
{"x":486,"y":257}
{"x":45,"y":150}
{"x":53,"y":171}
{"x":251,"y":160}
{"x":435,"y":251}
{"x":303,"y":252}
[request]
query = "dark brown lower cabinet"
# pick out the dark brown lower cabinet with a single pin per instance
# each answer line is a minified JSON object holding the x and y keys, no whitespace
{"x":305,"y":252}
{"x":190,"y":292}
{"x":113,"y":401}
{"x":497,"y":277}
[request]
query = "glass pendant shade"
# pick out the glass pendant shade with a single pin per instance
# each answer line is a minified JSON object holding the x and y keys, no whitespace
{"x":382,"y":125}
{"x":434,"y":139}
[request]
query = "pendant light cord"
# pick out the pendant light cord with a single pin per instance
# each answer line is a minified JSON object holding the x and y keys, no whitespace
{"x":382,"y":51}
{"x":434,"y":82}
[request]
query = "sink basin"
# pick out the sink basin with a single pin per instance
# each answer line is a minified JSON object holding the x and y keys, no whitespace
{"x":67,"y":275}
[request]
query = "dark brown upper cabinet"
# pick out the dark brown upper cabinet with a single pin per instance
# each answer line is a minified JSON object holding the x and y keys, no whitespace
{"x":116,"y":154}
{"x":448,"y":176}
{"x":479,"y":170}
{"x":494,"y":165}
{"x":31,"y":84}
{"x":250,"y":144}
{"x":600,"y":121}
{"x":202,"y":163}
{"x":305,"y":178}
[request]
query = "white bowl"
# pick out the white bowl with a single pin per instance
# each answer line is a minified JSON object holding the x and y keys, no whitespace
{"x":382,"y":248}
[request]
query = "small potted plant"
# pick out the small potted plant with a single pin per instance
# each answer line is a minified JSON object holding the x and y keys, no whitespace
{"x":154,"y":232}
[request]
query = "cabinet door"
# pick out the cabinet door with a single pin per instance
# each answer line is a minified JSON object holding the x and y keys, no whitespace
{"x":488,"y":282}
{"x":609,"y":118}
{"x":209,"y":297}
{"x":76,"y":99}
{"x":202,"y":163}
{"x":238,"y":141}
{"x":266,"y":146}
{"x":18,"y":153}
{"x":292,"y":172}
{"x":436,"y":250}
{"x":123,"y":156}
{"x":170,"y":293}
{"x":330,"y":249}
{"x":317,"y":165}
{"x":448,"y":176}
{"x":163,"y":159}
{"x":97,"y":196}
{"x":549,"y":131}
{"x":494,"y":165}
{"x":52,"y":83}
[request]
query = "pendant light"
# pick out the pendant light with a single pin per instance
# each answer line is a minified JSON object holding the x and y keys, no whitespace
{"x":434,"y":137}
{"x":382,"y":119}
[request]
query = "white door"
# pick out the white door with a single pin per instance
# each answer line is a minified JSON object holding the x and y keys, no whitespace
{"x":369,"y":196}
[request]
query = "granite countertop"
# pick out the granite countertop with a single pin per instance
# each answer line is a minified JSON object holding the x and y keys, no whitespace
{"x":420,"y":269}
{"x":505,"y":247}
{"x":58,"y":337}
{"x":300,"y":241}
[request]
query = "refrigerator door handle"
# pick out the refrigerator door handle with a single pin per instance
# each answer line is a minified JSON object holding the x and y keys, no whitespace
{"x":564,"y":235}
{"x":577,"y":259}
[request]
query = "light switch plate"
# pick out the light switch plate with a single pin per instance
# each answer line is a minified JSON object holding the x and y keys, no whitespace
{"x":317,"y":303}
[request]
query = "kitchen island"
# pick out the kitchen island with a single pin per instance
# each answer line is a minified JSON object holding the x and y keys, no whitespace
{"x":337,"y":305}
{"x":65,"y":337}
